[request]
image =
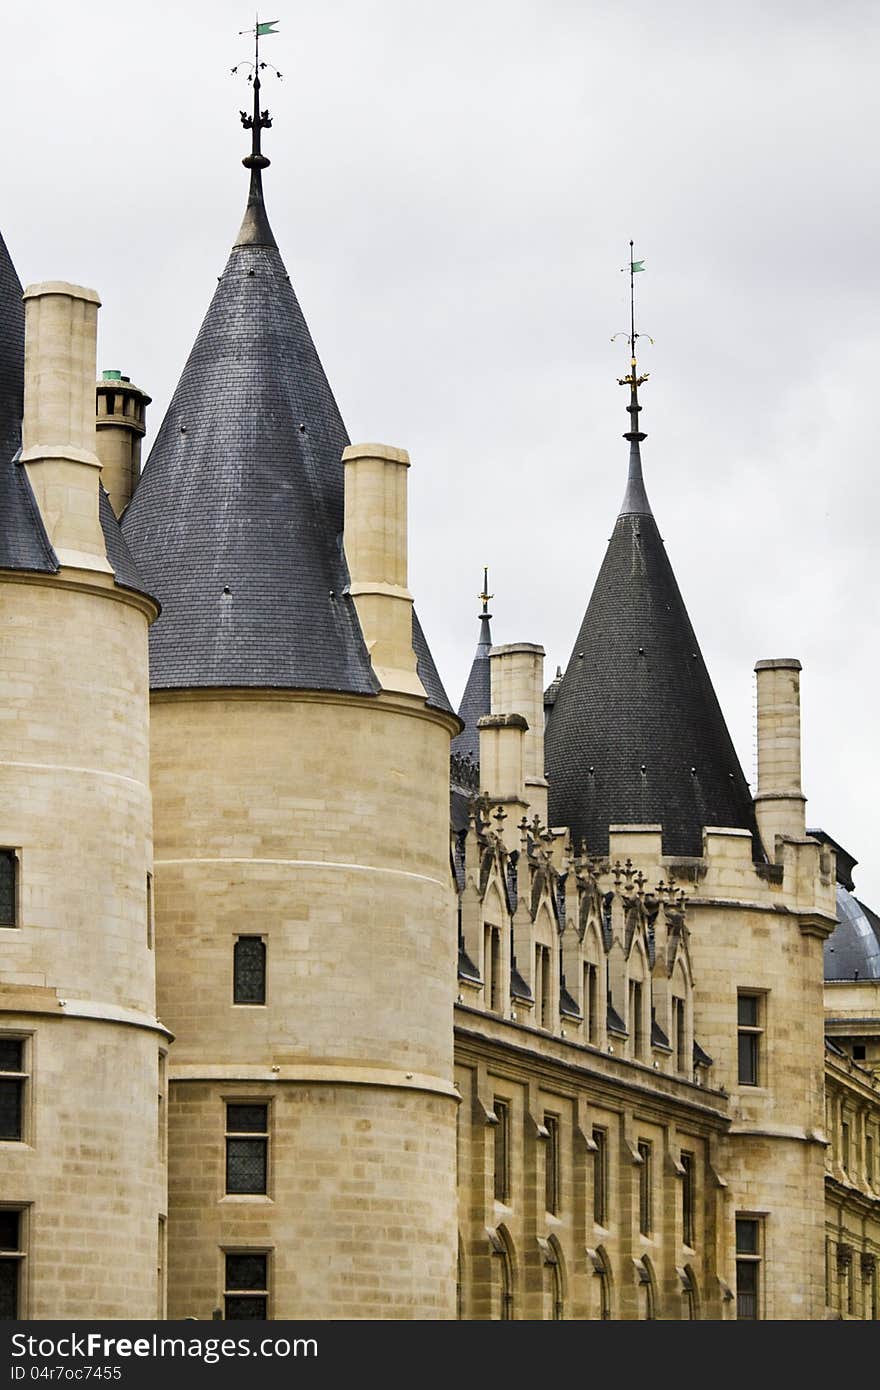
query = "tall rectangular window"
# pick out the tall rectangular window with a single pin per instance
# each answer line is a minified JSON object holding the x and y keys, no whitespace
{"x":600,"y":1177}
{"x":160,"y":1269}
{"x":542,"y":986}
{"x":646,"y":1214}
{"x":749,"y":1034}
{"x":162,"y":1120}
{"x":869,"y":1159}
{"x":247,"y":1148}
{"x":11,"y":1263}
{"x":246,"y":1294}
{"x":636,"y":1021}
{"x":678,"y":1025}
{"x":8,"y":888}
{"x":150,"y":932}
{"x":591,"y":1013}
{"x":249,"y":970}
{"x":492,"y":968}
{"x":12,"y":1083}
{"x":502,"y":1150}
{"x":687,"y":1199}
{"x":844,"y":1146}
{"x":551,"y":1164}
{"x":748,"y":1268}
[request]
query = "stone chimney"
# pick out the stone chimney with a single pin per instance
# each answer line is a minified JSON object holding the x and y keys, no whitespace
{"x":58,"y":427}
{"x":517,"y":676}
{"x":376,"y":551}
{"x":121,"y":425}
{"x":779,"y":802}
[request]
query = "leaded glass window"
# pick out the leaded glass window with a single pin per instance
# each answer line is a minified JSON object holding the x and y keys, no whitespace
{"x":249,"y":971}
{"x":10,"y":1223}
{"x":8,"y":917}
{"x":247,"y":1144}
{"x":247,"y":1288}
{"x":11,"y":1087}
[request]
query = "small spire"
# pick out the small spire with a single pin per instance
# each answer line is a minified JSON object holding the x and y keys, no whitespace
{"x":485,"y":596}
{"x":485,"y":615}
{"x":255,"y":229}
{"x":635,"y":500}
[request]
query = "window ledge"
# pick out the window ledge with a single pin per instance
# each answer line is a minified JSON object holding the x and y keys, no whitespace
{"x":248,"y":1198}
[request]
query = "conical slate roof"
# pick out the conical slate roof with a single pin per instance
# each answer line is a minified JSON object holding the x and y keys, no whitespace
{"x":23,"y":541}
{"x":237,"y":519}
{"x":24,"y":544}
{"x":477,"y":698}
{"x":636,"y":734}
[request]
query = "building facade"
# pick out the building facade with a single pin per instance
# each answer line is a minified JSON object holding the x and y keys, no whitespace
{"x":328,"y":1024}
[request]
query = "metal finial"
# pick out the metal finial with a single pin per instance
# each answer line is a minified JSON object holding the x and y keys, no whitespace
{"x":633,"y":380}
{"x":255,"y":229}
{"x":485,"y":596}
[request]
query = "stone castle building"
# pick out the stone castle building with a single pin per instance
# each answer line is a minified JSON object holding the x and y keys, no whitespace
{"x":301,"y":1017}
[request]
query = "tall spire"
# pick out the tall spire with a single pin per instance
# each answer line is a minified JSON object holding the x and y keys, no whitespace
{"x":635,"y":499}
{"x":255,"y":229}
{"x":635,"y":734}
{"x":477,"y":698}
{"x":485,"y":615}
{"x":237,"y":519}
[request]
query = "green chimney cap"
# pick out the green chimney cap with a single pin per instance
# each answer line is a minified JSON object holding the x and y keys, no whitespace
{"x":112,"y":376}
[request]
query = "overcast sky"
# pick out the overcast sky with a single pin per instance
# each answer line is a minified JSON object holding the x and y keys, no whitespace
{"x":453,"y":188}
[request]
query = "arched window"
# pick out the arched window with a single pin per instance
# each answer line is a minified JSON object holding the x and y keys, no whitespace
{"x":689,"y":1293}
{"x":554,"y":1280}
{"x":647,"y":1290}
{"x":602,"y":1271}
{"x":638,"y":1003}
{"x":502,"y":1282}
{"x":459,"y":1284}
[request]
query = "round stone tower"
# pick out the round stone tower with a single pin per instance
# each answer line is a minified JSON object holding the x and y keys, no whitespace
{"x":82,"y":1185}
{"x":305,"y":921}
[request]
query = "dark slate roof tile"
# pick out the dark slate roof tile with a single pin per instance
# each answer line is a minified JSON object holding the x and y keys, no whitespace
{"x":567,"y":1004}
{"x":614,"y":1023}
{"x":518,"y":987}
{"x":24,"y":544}
{"x":658,"y":1037}
{"x":426,"y":670}
{"x":466,"y":968}
{"x":852,"y":951}
{"x":124,"y":568}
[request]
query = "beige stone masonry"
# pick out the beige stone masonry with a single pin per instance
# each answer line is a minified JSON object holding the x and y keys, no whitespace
{"x":58,"y":428}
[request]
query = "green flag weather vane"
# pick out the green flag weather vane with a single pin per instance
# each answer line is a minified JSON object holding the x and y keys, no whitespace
{"x":258,"y":120}
{"x":634,"y":267}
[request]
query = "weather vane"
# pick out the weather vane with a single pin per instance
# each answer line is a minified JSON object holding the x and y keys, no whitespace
{"x":632,"y":380}
{"x":485,"y":596}
{"x":259,"y":120}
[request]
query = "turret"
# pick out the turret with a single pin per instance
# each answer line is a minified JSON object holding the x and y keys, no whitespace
{"x":83,"y":1176}
{"x":642,"y":767}
{"x":304,"y":905}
